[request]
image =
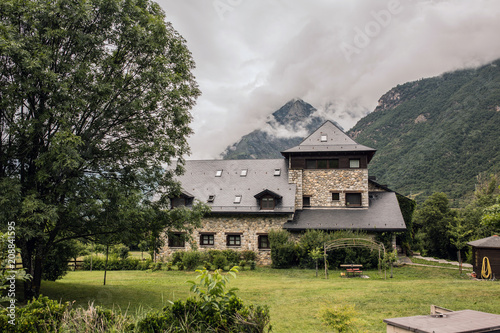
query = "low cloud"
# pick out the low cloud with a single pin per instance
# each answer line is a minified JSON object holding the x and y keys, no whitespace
{"x":258,"y":55}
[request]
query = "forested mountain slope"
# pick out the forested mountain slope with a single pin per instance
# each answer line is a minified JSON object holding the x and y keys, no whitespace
{"x":436,"y":134}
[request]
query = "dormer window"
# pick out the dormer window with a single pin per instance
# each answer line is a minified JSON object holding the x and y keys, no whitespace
{"x":267,"y":203}
{"x":211,"y":198}
{"x":218,"y":173}
{"x":244,"y":173}
{"x":277,"y":172}
{"x":268,"y":199}
{"x":324,"y":138}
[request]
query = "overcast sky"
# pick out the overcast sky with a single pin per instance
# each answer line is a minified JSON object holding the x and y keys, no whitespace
{"x":252,"y":56}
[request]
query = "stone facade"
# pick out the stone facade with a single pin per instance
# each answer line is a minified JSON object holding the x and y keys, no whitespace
{"x":295,"y":177}
{"x":249,"y":227}
{"x":320,"y":184}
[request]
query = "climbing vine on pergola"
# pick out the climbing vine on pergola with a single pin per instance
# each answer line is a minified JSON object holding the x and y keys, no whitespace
{"x":343,"y":243}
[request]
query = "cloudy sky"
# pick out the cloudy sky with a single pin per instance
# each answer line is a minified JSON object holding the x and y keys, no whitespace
{"x":253,"y":56}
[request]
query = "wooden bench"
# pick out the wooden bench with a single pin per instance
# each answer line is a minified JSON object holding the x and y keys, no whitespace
{"x":352,"y":270}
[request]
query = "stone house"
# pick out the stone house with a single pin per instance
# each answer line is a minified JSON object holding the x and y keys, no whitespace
{"x":322,"y":183}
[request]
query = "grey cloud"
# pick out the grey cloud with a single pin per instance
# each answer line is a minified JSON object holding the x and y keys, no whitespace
{"x":263,"y":54}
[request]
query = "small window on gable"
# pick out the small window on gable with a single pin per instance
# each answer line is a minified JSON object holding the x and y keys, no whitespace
{"x":324,"y":138}
{"x":237,"y":199}
{"x":277,"y":172}
{"x":211,"y":198}
{"x":218,"y":173}
{"x":244,"y":173}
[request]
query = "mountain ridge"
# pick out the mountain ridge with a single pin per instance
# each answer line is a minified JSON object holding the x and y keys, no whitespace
{"x":432,"y":135}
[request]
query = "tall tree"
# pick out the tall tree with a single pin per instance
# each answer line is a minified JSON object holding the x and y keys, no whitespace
{"x":433,"y":219}
{"x":94,"y":100}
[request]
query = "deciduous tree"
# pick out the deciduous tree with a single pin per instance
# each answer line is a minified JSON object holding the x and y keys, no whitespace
{"x":94,"y":100}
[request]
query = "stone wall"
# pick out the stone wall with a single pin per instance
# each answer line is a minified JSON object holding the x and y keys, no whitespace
{"x":295,"y":177}
{"x":319,"y":184}
{"x":248,"y":226}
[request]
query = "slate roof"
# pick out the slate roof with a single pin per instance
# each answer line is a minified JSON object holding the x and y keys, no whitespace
{"x":337,"y":141}
{"x":492,"y":242}
{"x":465,"y":321}
{"x":200,"y":181}
{"x":383,"y":214}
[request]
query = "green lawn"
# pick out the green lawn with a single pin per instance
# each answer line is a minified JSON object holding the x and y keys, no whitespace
{"x":294,"y":296}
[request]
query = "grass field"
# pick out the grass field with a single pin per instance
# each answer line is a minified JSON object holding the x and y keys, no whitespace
{"x":295,"y":296}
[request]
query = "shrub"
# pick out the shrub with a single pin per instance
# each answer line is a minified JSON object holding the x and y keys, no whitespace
{"x":156,"y":266}
{"x":253,"y":264}
{"x":114,"y":264}
{"x":191,"y":259}
{"x":232,"y":256}
{"x":39,"y":315}
{"x":278,"y":237}
{"x":123,"y":251}
{"x":220,"y":261}
{"x":177,"y":257}
{"x":341,"y":318}
{"x":248,"y":255}
{"x":283,"y":256}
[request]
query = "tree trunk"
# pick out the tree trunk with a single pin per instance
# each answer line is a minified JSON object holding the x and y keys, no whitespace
{"x":106,"y":263}
{"x":460,"y":262}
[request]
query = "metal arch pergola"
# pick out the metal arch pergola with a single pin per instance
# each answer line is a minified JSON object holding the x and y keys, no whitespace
{"x":343,"y":243}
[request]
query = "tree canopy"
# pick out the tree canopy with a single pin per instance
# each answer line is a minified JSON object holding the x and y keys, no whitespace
{"x":94,"y":100}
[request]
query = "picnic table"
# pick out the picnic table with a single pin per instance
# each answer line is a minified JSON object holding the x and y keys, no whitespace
{"x":352,"y":269}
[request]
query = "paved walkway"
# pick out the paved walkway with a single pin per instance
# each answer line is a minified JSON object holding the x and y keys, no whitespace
{"x":407,"y":261}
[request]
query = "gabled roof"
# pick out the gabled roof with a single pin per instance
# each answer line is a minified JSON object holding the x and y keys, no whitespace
{"x":336,"y":141}
{"x":383,"y":214}
{"x":492,"y":242}
{"x":267,"y":192}
{"x":200,"y":181}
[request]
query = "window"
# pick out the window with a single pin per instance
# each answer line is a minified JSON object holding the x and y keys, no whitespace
{"x":267,"y":203}
{"x":311,"y":164}
{"x":218,"y":173}
{"x":353,"y":199}
{"x":263,"y":242}
{"x":176,"y":240}
{"x":244,"y":173}
{"x":354,"y":163}
{"x":306,"y":201}
{"x":333,"y":164}
{"x":322,"y":164}
{"x":233,"y":240}
{"x":277,"y":172}
{"x":211,"y":198}
{"x":237,"y":199}
{"x":324,"y":138}
{"x":207,"y":239}
{"x":335,"y":196}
